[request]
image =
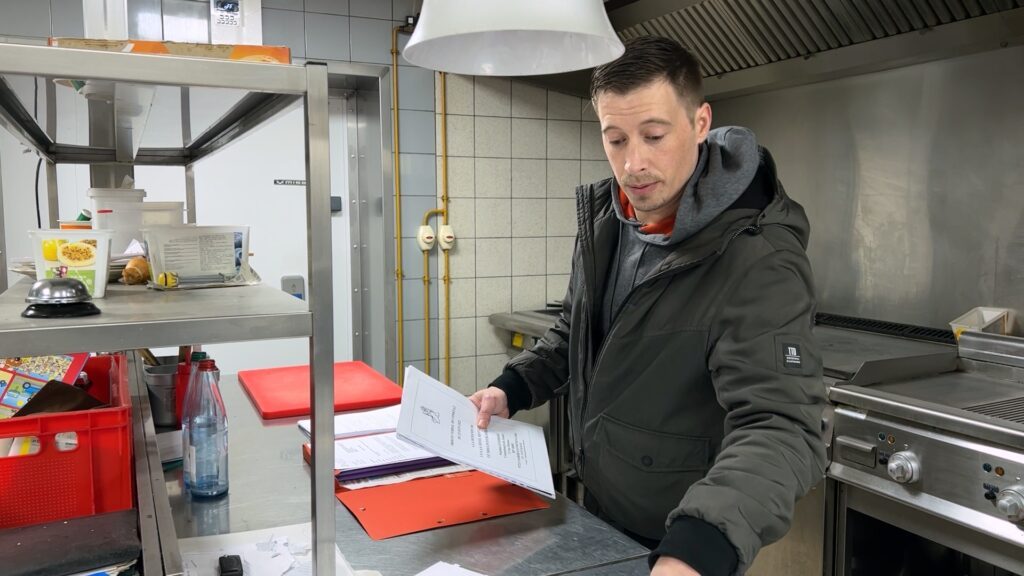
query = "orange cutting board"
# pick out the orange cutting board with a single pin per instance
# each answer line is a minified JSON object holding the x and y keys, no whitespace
{"x":283,"y":392}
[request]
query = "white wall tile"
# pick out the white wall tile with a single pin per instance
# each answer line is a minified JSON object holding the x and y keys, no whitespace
{"x":460,"y":94}
{"x":594,"y":170}
{"x":463,"y":297}
{"x":492,"y":96}
{"x":591,"y":144}
{"x":564,"y":139}
{"x":529,"y":138}
{"x":328,"y":6}
{"x":463,"y":337}
{"x":528,"y":256}
{"x":415,"y":128}
{"x":493,"y":218}
{"x":493,"y":178}
{"x":529,"y":178}
{"x":528,"y":101}
{"x":563,"y":107}
{"x":461,"y":179}
{"x":493,"y":258}
{"x":560,"y":255}
{"x":460,"y":135}
{"x":488,"y":368}
{"x":493,"y":295}
{"x":561,"y":217}
{"x":589,"y":115}
{"x":327,"y":36}
{"x":563,"y":178}
{"x":370,"y":9}
{"x":462,"y":258}
{"x":557,"y":285}
{"x":493,"y":137}
{"x":529,"y":217}
{"x":463,"y":376}
{"x":282,"y":4}
{"x":462,"y":217}
{"x":529,"y":292}
{"x":417,"y":88}
{"x":285,"y":28}
{"x":414,"y":342}
{"x":412,"y":296}
{"x":491,"y":339}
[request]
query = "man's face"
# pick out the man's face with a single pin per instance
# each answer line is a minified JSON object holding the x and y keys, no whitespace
{"x":651,"y":138}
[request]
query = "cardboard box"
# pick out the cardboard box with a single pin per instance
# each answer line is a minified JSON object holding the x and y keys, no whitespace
{"x":247,"y":53}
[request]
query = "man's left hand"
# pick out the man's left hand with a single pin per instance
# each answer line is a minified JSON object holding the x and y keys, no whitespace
{"x":669,"y":566}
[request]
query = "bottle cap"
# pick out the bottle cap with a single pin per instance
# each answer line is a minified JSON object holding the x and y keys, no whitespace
{"x":197,"y":356}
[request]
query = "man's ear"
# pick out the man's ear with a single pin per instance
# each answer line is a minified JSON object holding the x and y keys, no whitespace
{"x":702,"y":121}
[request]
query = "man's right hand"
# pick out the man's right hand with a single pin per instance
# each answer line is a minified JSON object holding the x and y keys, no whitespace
{"x":488,"y":402}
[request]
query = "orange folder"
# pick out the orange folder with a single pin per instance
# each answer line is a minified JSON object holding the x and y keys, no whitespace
{"x":283,"y":392}
{"x":428,"y":503}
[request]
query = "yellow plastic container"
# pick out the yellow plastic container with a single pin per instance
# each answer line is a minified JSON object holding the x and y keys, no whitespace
{"x":982,"y":319}
{"x":81,"y":254}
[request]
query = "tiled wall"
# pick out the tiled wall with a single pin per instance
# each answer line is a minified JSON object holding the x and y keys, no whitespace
{"x":516,"y":154}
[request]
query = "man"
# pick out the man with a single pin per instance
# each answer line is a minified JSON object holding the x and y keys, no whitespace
{"x":685,"y":345}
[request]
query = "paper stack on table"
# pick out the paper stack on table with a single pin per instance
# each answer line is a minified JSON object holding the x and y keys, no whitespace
{"x":359,"y":422}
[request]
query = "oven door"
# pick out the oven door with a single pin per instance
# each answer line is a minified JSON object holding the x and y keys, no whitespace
{"x":878,"y":536}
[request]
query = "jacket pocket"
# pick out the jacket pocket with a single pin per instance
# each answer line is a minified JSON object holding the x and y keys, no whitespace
{"x":643,"y":474}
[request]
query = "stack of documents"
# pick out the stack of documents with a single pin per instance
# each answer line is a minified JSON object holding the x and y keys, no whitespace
{"x":366,"y":446}
{"x":360,"y":422}
{"x":379,"y":455}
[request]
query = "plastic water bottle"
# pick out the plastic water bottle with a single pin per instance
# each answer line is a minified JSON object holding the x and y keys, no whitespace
{"x":205,"y":430}
{"x":190,"y":385}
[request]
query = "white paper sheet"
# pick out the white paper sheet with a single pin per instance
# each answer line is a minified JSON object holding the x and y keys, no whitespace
{"x":403,"y":477}
{"x":360,"y":422}
{"x":441,"y":420}
{"x":376,"y":450}
{"x":446,"y":569}
{"x":270,"y":552}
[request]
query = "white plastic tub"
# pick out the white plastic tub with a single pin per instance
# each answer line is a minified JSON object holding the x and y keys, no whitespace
{"x":120,"y":211}
{"x":81,"y":254}
{"x":162,"y":214}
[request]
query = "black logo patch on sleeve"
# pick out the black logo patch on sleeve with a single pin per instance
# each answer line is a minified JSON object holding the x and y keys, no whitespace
{"x":791,"y":357}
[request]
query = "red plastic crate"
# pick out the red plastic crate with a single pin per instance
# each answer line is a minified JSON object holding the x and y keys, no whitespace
{"x":93,"y":478}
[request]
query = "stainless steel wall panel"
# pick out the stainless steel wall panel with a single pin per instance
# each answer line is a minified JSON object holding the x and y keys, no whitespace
{"x":186,"y":21}
{"x":912,"y":180}
{"x":145,"y":19}
{"x":66,"y":18}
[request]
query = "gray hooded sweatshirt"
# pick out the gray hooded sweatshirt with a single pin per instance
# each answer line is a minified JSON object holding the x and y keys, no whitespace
{"x":726,"y":164}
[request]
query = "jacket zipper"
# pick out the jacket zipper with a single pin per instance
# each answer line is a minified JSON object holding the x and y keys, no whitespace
{"x":625,"y":302}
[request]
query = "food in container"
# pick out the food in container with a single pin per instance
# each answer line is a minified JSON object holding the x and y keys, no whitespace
{"x":80,"y":254}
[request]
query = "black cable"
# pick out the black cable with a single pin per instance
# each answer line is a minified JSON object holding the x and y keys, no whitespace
{"x":39,"y":164}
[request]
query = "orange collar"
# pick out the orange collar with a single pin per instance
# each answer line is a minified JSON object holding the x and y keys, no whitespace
{"x":663,"y":227}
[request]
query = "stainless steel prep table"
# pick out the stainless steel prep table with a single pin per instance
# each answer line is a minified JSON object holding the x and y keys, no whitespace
{"x":270,"y":487}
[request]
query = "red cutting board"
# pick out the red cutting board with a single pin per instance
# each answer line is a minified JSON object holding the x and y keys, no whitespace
{"x":283,"y":392}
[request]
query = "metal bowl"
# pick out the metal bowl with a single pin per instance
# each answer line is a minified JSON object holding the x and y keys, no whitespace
{"x":58,"y":291}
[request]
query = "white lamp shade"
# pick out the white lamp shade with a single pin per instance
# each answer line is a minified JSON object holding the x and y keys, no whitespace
{"x":512,"y":37}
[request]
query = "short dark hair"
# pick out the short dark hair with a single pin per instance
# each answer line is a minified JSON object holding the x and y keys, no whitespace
{"x":649,"y":59}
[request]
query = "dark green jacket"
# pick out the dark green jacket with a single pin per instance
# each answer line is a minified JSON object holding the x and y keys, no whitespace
{"x":705,"y":398}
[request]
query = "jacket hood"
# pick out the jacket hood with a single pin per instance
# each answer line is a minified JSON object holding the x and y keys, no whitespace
{"x":726,"y":164}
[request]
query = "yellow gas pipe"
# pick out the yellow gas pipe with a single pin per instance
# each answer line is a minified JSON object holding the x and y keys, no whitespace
{"x":398,"y":202}
{"x":446,"y":278}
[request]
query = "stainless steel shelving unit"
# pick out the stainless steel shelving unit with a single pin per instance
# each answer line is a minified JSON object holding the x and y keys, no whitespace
{"x":134,"y":317}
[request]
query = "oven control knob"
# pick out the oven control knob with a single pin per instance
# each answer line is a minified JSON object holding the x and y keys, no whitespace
{"x":1011,"y":503}
{"x":904,"y":467}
